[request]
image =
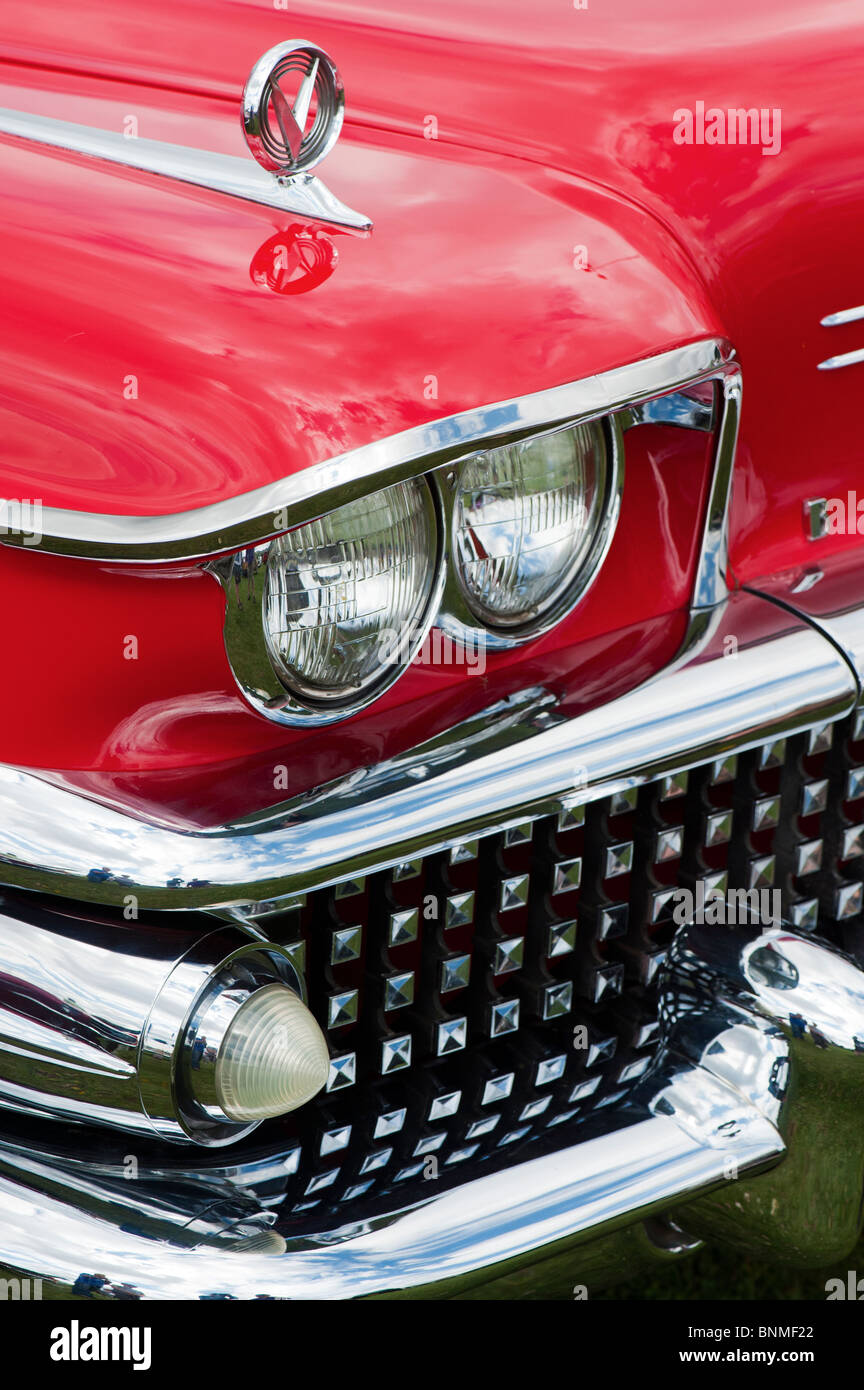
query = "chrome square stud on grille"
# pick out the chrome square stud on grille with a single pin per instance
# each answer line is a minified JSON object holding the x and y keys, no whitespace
{"x":551,"y":1070}
{"x":378,"y":1159}
{"x":805,"y":914}
{"x":357,"y":1190}
{"x":820,"y":738}
{"x":322,"y":1180}
{"x":853,"y":842}
{"x":601,"y":1050}
{"x":345,"y":945}
{"x":459,"y":911}
{"x":350,"y":887}
{"x":395,"y":1054}
{"x":557,"y":1000}
{"x":724,"y":769}
{"x":430,"y":1145}
{"x":608,"y":981}
{"x":814,"y":797}
{"x":613,"y":920}
{"x":584,"y":1089}
{"x":618,"y":859}
{"x":847,"y":900}
{"x":342,"y":1008}
{"x":403,"y":927}
{"x":509,"y":954}
{"x":498,"y":1088}
{"x":443,"y":1107}
{"x":399,"y":990}
{"x":571,"y":818}
{"x":410,"y":868}
{"x":718,"y":829}
{"x":513,"y":893}
{"x":808,"y":857}
{"x":761,"y":871}
{"x":343,"y":1071}
{"x":455,"y":973}
{"x":335,"y":1139}
{"x":672,"y":786}
{"x":451,"y":1036}
{"x":650,"y":965}
{"x":566,"y":876}
{"x":766,"y":813}
{"x":463,"y":852}
{"x":623,"y":802}
{"x":484,"y":1126}
{"x":535,"y":1108}
{"x":503,"y":1017}
{"x":772,"y":754}
{"x":462,"y":1155}
{"x":389,"y":1123}
{"x":519,"y":834}
{"x":560,"y":938}
{"x":854,"y":783}
{"x":668,"y":844}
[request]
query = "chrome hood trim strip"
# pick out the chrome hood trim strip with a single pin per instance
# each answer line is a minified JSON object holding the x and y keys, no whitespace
{"x":303,"y":194}
{"x":266,"y":511}
{"x":522,"y":758}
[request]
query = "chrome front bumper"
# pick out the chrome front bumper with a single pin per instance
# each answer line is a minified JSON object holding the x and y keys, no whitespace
{"x":762,"y":1029}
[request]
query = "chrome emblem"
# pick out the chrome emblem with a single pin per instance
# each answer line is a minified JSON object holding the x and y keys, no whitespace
{"x":293,"y":106}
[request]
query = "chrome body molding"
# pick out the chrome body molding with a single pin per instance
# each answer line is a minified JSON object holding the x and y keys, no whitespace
{"x":256,"y":516}
{"x":751,"y":1108}
{"x":843,"y":316}
{"x":302,"y":194}
{"x":843,"y":359}
{"x":521,"y":758}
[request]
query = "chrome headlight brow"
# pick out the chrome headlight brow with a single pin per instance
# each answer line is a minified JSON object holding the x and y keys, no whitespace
{"x":253,"y":517}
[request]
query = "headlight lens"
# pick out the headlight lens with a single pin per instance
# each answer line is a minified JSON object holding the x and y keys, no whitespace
{"x":526,"y":519}
{"x":346,"y":593}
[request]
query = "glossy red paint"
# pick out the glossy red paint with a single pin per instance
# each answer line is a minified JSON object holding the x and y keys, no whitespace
{"x":553,"y":134}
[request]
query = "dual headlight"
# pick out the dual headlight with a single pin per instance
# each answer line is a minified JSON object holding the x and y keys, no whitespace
{"x":495,"y":549}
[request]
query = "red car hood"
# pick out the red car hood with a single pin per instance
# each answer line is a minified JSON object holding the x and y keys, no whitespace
{"x":468,"y":278}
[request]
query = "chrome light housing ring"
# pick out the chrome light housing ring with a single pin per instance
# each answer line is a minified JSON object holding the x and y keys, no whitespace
{"x":187,"y":1025}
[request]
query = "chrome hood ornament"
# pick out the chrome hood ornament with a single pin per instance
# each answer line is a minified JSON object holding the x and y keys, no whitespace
{"x":293,"y":104}
{"x":301,"y":138}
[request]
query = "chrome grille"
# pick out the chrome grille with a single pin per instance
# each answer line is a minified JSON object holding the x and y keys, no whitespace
{"x":492,"y":998}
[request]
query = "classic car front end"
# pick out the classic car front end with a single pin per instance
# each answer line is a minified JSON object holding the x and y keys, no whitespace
{"x":432,"y":768}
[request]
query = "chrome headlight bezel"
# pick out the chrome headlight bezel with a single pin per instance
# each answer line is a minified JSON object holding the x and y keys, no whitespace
{"x":246,"y":638}
{"x":457,"y":616}
{"x":669,"y":388}
{"x":248,"y":648}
